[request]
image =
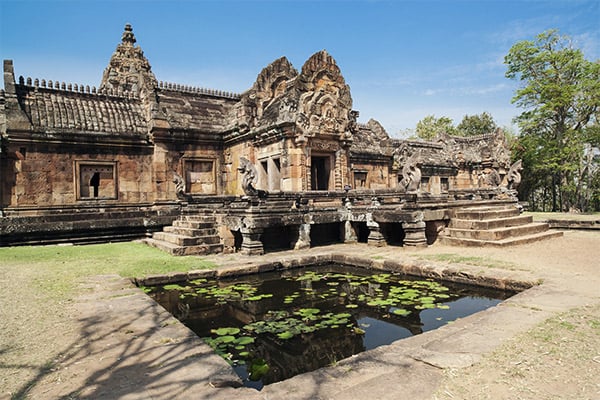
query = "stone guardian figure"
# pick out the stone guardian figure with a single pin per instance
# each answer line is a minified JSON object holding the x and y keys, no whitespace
{"x":249,"y":179}
{"x":513,"y":178}
{"x":411,"y":175}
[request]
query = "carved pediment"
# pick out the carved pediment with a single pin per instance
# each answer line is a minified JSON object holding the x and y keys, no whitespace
{"x":325,"y":101}
{"x":318,"y":100}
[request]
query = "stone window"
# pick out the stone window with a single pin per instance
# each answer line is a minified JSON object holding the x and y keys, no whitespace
{"x":200,"y":176}
{"x":425,"y":184}
{"x":96,"y":180}
{"x":270,"y":174}
{"x":360,"y":179}
{"x":445,"y":185}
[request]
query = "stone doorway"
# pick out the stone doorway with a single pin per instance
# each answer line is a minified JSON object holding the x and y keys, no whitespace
{"x":320,"y":172}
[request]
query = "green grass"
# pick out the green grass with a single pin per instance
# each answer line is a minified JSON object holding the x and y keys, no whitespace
{"x":57,"y":269}
{"x":469,"y":260}
{"x":545,"y":216}
{"x":37,"y":283}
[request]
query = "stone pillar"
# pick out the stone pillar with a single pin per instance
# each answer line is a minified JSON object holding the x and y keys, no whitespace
{"x":251,"y":244}
{"x":414,"y":234}
{"x":303,"y":239}
{"x":375,"y":237}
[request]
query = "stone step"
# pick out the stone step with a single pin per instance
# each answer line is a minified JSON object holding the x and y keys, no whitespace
{"x":491,"y":223}
{"x":193,"y":224}
{"x":514,"y":241}
{"x":177,"y":250}
{"x":186,"y":231}
{"x":181,"y":240}
{"x":483,"y":213}
{"x":198,"y":218}
{"x":498,"y":233}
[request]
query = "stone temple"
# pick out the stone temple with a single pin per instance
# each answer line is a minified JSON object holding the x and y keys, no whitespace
{"x":284,"y":165}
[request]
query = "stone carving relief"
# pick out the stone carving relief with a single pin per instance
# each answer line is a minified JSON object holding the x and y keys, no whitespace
{"x":249,"y":176}
{"x":400,"y":156}
{"x":179,"y":184}
{"x":411,"y":174}
{"x":325,"y":102}
{"x":324,"y":145}
{"x":491,"y":177}
{"x":513,"y":178}
{"x":128,"y":69}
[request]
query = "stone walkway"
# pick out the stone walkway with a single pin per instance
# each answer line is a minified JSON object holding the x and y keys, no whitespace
{"x":131,"y":348}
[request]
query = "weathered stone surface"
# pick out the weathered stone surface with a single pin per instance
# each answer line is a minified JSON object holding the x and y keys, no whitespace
{"x":317,"y":173}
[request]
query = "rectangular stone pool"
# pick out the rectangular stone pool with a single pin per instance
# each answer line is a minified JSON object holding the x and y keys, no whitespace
{"x":272,"y":326}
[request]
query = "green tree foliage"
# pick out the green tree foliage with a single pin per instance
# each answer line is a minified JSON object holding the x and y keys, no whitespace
{"x":430,"y":126}
{"x":479,"y":124}
{"x":560,"y":98}
{"x":471,"y":125}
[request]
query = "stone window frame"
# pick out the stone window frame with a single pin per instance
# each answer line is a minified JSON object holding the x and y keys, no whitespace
{"x":360,"y":171}
{"x":77,"y":164}
{"x":213,"y":161}
{"x":270,"y":177}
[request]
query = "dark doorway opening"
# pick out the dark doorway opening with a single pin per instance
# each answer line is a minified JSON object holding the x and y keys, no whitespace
{"x":393,"y":232}
{"x":324,"y":234}
{"x":320,"y":170}
{"x":362,"y":232}
{"x":276,"y":238}
{"x":95,"y":183}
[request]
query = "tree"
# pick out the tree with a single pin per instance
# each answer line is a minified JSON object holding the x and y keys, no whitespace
{"x":479,"y":124}
{"x":560,"y":97}
{"x":430,"y":126}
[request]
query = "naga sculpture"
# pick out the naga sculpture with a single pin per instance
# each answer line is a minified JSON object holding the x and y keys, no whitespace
{"x":513,"y":178}
{"x":411,"y":175}
{"x":249,"y":178}
{"x":179,"y":184}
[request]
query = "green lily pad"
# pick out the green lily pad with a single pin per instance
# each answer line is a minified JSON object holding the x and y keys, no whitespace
{"x":285,"y":335}
{"x":244,"y":340}
{"x":225,"y":331}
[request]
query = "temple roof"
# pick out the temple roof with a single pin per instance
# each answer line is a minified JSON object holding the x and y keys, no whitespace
{"x":77,"y":109}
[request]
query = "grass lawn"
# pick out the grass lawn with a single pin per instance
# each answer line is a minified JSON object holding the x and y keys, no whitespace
{"x":545,"y":216}
{"x":37,"y":283}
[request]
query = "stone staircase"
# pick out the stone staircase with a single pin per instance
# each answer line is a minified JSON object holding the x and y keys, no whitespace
{"x":189,"y":235}
{"x":494,"y":226}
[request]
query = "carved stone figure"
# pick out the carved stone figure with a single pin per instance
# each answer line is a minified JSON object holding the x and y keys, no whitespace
{"x":513,"y":177}
{"x":411,"y":175}
{"x":179,"y":184}
{"x":249,"y":178}
{"x":491,"y":178}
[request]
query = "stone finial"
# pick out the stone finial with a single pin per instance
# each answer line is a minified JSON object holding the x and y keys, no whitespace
{"x":128,"y":37}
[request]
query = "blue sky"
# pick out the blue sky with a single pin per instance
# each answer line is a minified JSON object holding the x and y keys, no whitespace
{"x":403,"y":60}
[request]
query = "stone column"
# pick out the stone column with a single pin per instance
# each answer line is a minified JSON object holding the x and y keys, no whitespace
{"x":414,"y":234}
{"x":251,"y":244}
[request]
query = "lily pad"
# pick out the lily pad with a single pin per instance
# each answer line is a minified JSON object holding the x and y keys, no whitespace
{"x":285,"y":335}
{"x":226,"y":331}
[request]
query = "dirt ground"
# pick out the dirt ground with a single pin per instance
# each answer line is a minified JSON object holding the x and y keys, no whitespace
{"x":112,"y":342}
